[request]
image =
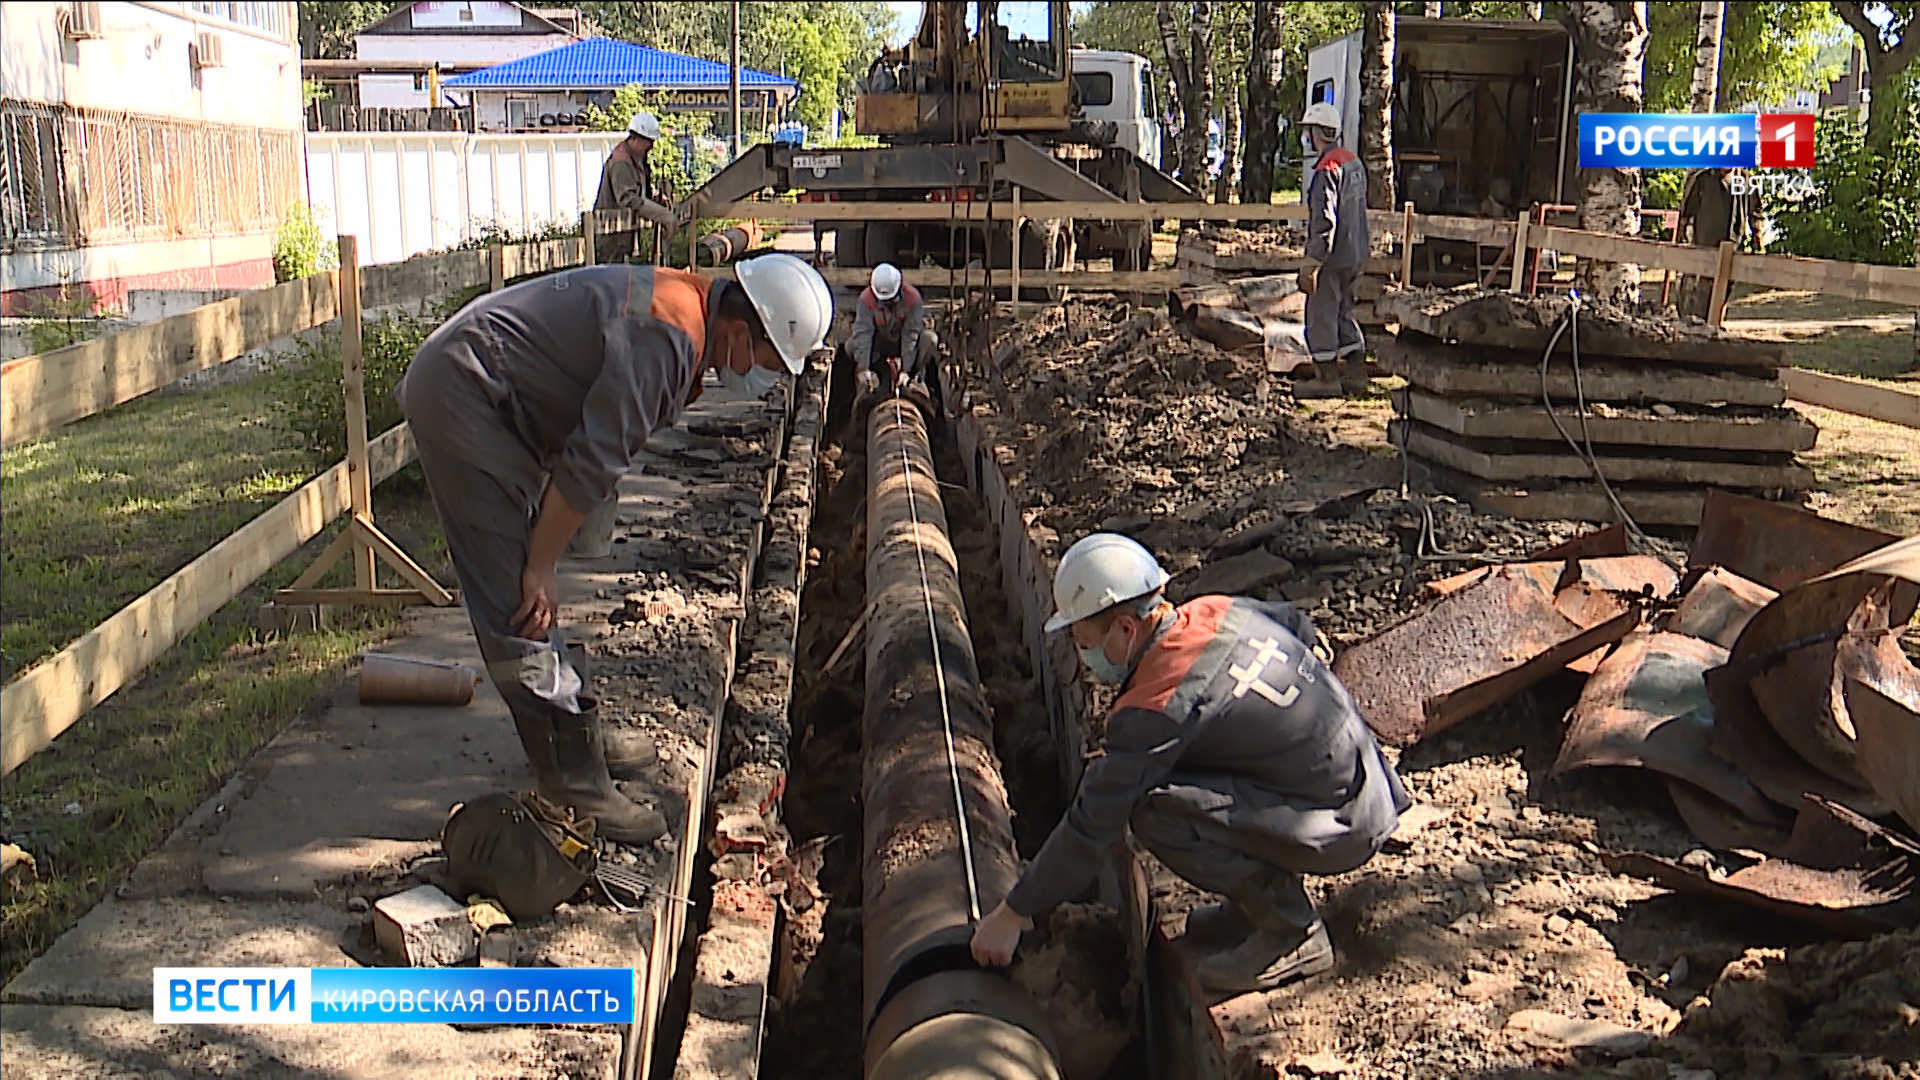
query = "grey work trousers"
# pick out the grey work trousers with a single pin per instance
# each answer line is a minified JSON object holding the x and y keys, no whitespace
{"x":487,"y":486}
{"x":1332,"y":331}
{"x":1188,"y":824}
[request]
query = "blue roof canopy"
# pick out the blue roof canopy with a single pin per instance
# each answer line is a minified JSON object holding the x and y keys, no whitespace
{"x":603,"y":63}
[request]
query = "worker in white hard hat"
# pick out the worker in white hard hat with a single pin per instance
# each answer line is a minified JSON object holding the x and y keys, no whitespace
{"x":1233,"y":753}
{"x":1338,"y":244}
{"x":626,"y":183}
{"x":527,"y":407}
{"x":890,"y":343}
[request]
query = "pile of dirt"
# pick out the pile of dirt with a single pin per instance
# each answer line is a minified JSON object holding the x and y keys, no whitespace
{"x":1076,"y":967}
{"x":1829,"y":1011}
{"x":1126,"y":423}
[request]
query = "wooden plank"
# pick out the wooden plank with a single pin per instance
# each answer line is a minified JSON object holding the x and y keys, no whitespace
{"x":1722,"y":280}
{"x":424,"y":277}
{"x":360,"y":597}
{"x":1893,"y":405}
{"x":40,"y":394}
{"x":526,"y":260}
{"x":1095,"y":280}
{"x":1506,"y":320}
{"x":1406,"y":246}
{"x":1467,"y":372}
{"x":1519,"y":252}
{"x":1861,"y":281}
{"x":354,"y":386}
{"x":1079,"y":210}
{"x":1777,"y":431}
{"x":1624,"y":249}
{"x":1487,"y":232}
{"x":1530,"y":462}
{"x":54,"y":693}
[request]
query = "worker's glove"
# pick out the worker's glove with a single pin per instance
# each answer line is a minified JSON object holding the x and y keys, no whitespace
{"x":1322,"y":648}
{"x":1308,"y":277}
{"x":867,"y":381}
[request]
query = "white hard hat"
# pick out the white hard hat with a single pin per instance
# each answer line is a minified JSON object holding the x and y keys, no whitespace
{"x":1099,"y":571}
{"x":793,"y":301}
{"x":646,"y":125}
{"x":886,"y":281}
{"x":1322,"y":114}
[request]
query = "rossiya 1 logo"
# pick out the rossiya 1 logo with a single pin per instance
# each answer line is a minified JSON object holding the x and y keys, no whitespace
{"x":1781,"y":143}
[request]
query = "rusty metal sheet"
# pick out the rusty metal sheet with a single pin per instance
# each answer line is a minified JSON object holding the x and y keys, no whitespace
{"x":1744,"y":738}
{"x":1718,"y":825}
{"x":1772,"y":543}
{"x":1646,"y":707}
{"x":1642,"y":574}
{"x":1719,"y":605}
{"x":1598,"y":544}
{"x":1856,"y":903}
{"x":1469,"y":650}
{"x":1881,"y":694}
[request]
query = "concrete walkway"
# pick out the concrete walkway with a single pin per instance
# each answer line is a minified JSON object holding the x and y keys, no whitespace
{"x":345,"y":807}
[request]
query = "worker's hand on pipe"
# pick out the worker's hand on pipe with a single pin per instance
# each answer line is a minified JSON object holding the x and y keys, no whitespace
{"x":1308,"y":277}
{"x":998,"y":935}
{"x":539,"y":601}
{"x":1322,"y":648}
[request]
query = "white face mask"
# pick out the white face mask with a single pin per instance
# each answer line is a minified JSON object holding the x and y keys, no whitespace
{"x":754,"y":384}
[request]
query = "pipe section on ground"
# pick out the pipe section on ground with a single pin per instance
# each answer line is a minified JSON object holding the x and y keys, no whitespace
{"x":730,"y":243}
{"x":939,"y":847}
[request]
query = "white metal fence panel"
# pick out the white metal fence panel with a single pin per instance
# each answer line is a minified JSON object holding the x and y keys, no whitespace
{"x":404,"y":193}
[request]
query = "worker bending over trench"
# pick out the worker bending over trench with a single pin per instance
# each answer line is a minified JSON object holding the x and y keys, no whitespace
{"x":527,"y":407}
{"x":1232,"y":751}
{"x":890,"y":344}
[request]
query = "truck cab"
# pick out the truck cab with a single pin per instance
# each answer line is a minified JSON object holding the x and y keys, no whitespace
{"x":1118,"y":88}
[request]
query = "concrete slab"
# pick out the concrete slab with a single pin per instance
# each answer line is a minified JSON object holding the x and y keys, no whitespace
{"x":71,"y":1043}
{"x":108,"y":958}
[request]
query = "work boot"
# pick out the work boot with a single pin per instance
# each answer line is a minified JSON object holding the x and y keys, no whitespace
{"x":1216,"y":924}
{"x":1324,"y":384}
{"x":1267,"y":960}
{"x":630,"y":751}
{"x":568,"y":756}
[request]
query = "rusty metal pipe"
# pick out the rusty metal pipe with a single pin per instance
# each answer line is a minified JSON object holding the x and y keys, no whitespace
{"x":731,"y":243}
{"x":939,"y":844}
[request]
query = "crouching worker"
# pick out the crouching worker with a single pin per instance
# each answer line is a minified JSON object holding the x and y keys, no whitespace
{"x":1233,"y":753}
{"x":890,"y":342}
{"x":527,"y":407}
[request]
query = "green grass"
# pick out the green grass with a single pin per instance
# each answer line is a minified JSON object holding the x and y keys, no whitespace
{"x":94,"y":517}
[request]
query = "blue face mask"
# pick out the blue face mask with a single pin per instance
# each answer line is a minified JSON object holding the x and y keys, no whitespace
{"x":1102,"y":669}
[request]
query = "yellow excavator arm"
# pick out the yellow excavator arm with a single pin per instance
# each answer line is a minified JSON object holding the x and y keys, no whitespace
{"x":972,"y":68}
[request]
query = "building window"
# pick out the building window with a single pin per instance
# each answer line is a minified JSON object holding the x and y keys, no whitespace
{"x":268,"y":17}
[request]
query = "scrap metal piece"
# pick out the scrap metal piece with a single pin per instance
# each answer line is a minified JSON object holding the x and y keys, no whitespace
{"x":1598,"y":544}
{"x":1484,"y":643}
{"x":1854,"y":903}
{"x":1642,"y":574}
{"x":1880,"y":691}
{"x":1772,"y":543}
{"x":1715,"y":823}
{"x":1719,"y":605}
{"x":1743,"y":737}
{"x":1647,"y":707}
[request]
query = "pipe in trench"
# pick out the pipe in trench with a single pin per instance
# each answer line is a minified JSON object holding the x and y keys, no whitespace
{"x":930,"y":869}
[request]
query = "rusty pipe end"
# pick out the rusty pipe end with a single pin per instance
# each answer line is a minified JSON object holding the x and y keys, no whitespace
{"x":964,"y":1023}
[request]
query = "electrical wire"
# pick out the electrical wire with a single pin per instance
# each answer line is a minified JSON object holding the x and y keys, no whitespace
{"x":939,"y":673}
{"x":1570,"y":327}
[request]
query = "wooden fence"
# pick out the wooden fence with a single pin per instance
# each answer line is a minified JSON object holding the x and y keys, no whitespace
{"x":40,"y":394}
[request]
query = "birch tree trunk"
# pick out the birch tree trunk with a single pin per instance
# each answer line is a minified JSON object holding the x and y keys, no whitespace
{"x":1200,"y":78}
{"x":1376,"y":102}
{"x":1264,"y":73}
{"x":1231,"y":134}
{"x":1610,"y":37}
{"x":1706,"y":55}
{"x":1431,"y":9}
{"x":1192,"y":170}
{"x":1536,"y":11}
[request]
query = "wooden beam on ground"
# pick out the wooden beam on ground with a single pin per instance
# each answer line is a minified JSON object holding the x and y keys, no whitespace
{"x":40,"y":394}
{"x":1455,"y":371}
{"x":423,"y":277}
{"x":1876,"y":402}
{"x":1861,"y":281}
{"x":1777,"y":431}
{"x":360,"y":597}
{"x":54,"y":693}
{"x":1535,"y":462}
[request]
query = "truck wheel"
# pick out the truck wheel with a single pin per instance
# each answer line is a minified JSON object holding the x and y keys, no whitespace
{"x":850,"y":246}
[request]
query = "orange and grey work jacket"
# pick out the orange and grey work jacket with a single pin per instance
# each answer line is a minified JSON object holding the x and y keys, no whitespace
{"x":888,"y":327}
{"x":1337,"y":234}
{"x":1229,"y":696}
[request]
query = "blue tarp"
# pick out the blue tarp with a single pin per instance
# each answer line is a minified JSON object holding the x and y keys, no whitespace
{"x":602,"y":63}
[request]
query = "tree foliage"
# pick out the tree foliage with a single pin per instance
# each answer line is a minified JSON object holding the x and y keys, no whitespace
{"x":667,"y":160}
{"x":1768,"y":50}
{"x":327,"y":28}
{"x":1892,"y":44}
{"x":1865,"y":205}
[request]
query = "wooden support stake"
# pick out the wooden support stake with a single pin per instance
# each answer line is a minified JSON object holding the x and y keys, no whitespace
{"x":353,"y":375}
{"x":1722,"y":281}
{"x":587,"y":233}
{"x":1016,"y":252}
{"x":1406,"y":247}
{"x":1520,"y":251}
{"x":496,"y":268}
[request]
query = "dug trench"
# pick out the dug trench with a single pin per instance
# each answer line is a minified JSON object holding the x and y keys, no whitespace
{"x":1076,"y":964}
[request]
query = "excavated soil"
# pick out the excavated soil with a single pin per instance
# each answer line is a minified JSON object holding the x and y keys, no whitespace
{"x":1493,"y":898}
{"x":1274,"y":238}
